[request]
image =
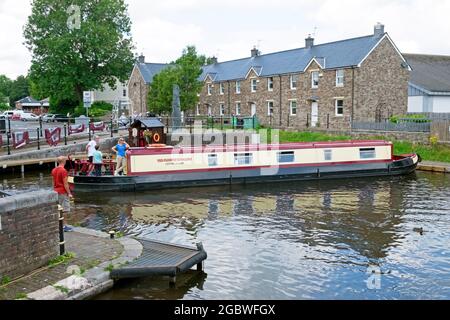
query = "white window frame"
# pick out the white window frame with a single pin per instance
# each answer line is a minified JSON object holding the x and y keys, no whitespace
{"x":254,"y":85}
{"x":238,"y":87}
{"x":238,"y":108}
{"x":336,"y":107}
{"x":291,"y":102}
{"x":222,"y":109}
{"x":213,"y":160}
{"x":222,"y":89}
{"x":270,"y":84}
{"x":291,"y":81}
{"x":198,"y":110}
{"x":340,"y":77}
{"x":209,"y":89}
{"x":210,"y":112}
{"x":269,"y":102}
{"x":313,"y":85}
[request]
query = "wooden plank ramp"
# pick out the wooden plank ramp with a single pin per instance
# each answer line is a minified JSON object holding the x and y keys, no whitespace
{"x":162,"y":259}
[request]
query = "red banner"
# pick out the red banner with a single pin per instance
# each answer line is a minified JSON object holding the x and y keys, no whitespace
{"x":53,"y":136}
{"x":76,"y":128}
{"x":97,"y":126}
{"x":20,"y":139}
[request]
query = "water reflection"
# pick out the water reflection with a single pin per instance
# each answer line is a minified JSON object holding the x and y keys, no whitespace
{"x":297,"y":240}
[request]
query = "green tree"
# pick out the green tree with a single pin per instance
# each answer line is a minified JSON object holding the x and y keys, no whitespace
{"x":78,"y":45}
{"x":20,"y":88}
{"x":184,"y":72}
{"x":5,"y":88}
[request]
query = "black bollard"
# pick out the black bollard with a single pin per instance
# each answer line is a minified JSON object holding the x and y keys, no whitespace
{"x":38,"y":139}
{"x":65,"y":135}
{"x":62,"y":242}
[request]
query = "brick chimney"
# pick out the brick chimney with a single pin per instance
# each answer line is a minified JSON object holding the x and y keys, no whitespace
{"x":141,"y":58}
{"x":309,"y":42}
{"x":379,"y":30}
{"x":255,"y":52}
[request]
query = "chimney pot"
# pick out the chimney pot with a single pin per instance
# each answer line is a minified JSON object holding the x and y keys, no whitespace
{"x":309,"y":42}
{"x":378,"y":30}
{"x":214,"y":60}
{"x":255,"y":52}
{"x":141,"y":58}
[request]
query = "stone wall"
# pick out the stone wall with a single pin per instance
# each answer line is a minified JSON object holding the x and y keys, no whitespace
{"x":29,"y":232}
{"x":381,"y":85}
{"x":137,"y":91}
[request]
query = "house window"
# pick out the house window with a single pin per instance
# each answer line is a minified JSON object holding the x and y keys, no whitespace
{"x":238,"y":108}
{"x":286,"y":157}
{"x":222,"y":109}
{"x":241,"y":159}
{"x":209,"y":111}
{"x":222,"y":88}
{"x":270,"y":84}
{"x":315,"y":79}
{"x":254,"y":85}
{"x":339,"y":107}
{"x":209,"y":89}
{"x":328,"y":155}
{"x":293,"y":107}
{"x":340,"y":78}
{"x":269,"y":108}
{"x":367,"y":153}
{"x":198,"y":110}
{"x":294,"y":80}
{"x":238,"y":87}
{"x":212,"y":160}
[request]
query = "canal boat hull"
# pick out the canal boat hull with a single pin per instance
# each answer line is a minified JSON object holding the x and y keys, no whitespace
{"x":402,"y":165}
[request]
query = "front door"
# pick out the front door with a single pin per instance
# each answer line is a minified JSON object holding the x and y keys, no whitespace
{"x":253,"y":107}
{"x":314,"y":114}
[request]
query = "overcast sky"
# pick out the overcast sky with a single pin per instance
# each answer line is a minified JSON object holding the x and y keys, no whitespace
{"x":230,"y":28}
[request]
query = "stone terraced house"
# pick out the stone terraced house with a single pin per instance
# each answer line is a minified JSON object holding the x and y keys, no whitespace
{"x":325,"y":85}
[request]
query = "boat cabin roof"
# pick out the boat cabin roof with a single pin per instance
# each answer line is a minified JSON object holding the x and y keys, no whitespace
{"x":259,"y":147}
{"x":147,"y":123}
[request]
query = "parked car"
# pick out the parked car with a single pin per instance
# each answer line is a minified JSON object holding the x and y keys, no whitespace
{"x":50,"y":117}
{"x":29,"y":117}
{"x":60,"y":118}
{"x":13,"y":114}
{"x":17,"y":115}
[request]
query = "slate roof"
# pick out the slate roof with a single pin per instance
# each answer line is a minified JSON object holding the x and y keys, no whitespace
{"x":149,"y":123}
{"x":333,"y":55}
{"x":29,"y":100}
{"x":149,"y":70}
{"x":430,"y":72}
{"x":345,"y":53}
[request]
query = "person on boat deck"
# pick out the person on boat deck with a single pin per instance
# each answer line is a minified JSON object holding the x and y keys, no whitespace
{"x":90,"y":148}
{"x":98,"y":161}
{"x":61,"y":187}
{"x":121,"y":150}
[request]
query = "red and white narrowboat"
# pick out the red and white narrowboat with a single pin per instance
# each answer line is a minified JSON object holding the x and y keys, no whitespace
{"x":162,"y":167}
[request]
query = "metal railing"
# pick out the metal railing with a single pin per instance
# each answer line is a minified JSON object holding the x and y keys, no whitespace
{"x":39,"y":134}
{"x":401,"y":126}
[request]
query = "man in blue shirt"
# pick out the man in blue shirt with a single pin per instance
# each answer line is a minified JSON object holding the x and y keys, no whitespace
{"x":121,"y":150}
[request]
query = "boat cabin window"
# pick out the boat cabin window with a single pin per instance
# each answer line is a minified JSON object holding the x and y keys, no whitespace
{"x":328,"y":155}
{"x":367,"y":153}
{"x":243,"y":159}
{"x":212,"y":160}
{"x":286,"y":157}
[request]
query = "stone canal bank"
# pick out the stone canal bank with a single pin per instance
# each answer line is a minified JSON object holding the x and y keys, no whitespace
{"x":30,"y":266}
{"x":82,"y":274}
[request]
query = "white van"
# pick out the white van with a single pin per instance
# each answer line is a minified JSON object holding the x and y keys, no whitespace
{"x":11,"y":113}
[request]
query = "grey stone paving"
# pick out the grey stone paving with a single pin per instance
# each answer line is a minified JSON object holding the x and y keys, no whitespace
{"x":90,"y":251}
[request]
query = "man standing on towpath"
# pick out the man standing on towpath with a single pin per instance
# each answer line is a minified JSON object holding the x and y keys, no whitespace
{"x":61,"y":187}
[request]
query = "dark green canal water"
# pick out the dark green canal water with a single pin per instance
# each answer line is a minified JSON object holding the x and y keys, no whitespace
{"x":316,"y":240}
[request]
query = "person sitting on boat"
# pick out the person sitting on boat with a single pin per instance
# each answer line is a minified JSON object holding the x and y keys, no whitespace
{"x":98,"y":161}
{"x":121,"y":151}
